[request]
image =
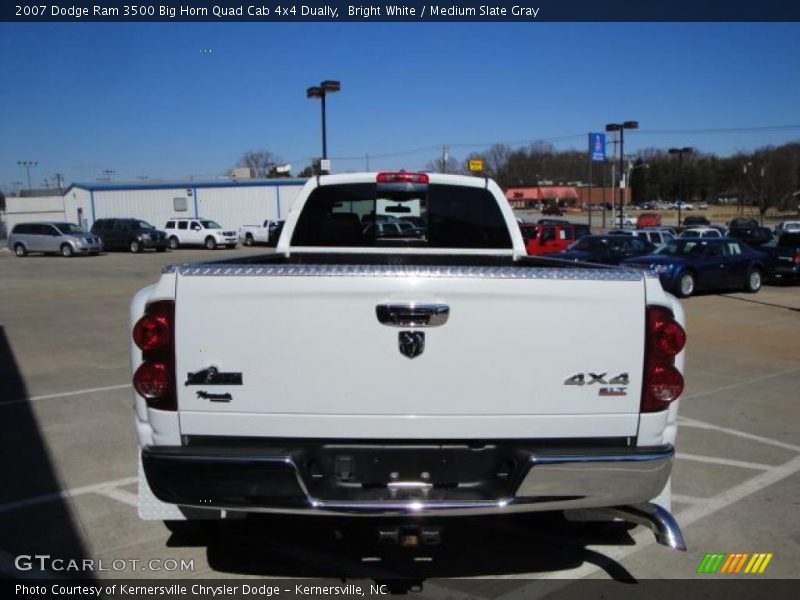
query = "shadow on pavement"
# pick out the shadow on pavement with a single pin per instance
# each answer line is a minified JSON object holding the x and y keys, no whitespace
{"x":33,"y":518}
{"x":333,"y":547}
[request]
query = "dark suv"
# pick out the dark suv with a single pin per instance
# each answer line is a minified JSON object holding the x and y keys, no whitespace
{"x":129,"y":234}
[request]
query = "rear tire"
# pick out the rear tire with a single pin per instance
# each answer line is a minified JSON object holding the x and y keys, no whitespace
{"x":67,"y":251}
{"x":211,"y":243}
{"x":753,"y":282}
{"x":174,"y":244}
{"x":20,"y":250}
{"x":686,"y":285}
{"x":248,"y":240}
{"x":135,"y":247}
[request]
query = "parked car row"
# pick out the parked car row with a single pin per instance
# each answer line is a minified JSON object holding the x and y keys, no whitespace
{"x":700,"y":259}
{"x":134,"y":235}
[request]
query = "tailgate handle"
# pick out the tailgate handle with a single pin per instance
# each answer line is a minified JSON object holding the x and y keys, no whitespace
{"x":411,"y":314}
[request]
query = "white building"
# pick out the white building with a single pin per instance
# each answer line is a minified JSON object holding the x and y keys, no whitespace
{"x":32,"y":208}
{"x":230,"y":203}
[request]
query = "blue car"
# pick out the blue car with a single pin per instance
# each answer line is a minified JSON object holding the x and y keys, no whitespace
{"x":605,"y":249}
{"x":687,"y":265}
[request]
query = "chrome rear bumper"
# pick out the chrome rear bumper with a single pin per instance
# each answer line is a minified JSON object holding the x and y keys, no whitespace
{"x":617,"y":482}
{"x":385,"y":479}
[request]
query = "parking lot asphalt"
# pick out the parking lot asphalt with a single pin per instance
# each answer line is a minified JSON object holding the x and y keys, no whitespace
{"x":69,"y":453}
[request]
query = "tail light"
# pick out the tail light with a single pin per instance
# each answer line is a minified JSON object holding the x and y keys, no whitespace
{"x":402,"y":177}
{"x":664,"y":339}
{"x":151,"y":380}
{"x":797,"y":259}
{"x":153,"y":334}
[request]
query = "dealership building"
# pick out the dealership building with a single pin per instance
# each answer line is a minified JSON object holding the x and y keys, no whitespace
{"x":230,"y":202}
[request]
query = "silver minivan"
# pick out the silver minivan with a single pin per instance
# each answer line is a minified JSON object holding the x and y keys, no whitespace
{"x":66,"y":239}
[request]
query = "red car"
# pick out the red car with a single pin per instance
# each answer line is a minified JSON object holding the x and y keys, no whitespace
{"x":544,"y":238}
{"x":648,"y":219}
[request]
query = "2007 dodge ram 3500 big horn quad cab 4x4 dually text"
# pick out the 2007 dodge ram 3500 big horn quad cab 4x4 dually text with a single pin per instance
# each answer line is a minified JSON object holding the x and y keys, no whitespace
{"x":349,"y":373}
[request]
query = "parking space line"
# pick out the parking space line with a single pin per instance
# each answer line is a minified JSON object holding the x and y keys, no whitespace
{"x":715,"y":460}
{"x":18,"y":401}
{"x":643,"y":538}
{"x":119,"y":495}
{"x":761,"y":302}
{"x":72,"y":493}
{"x":687,"y":422}
{"x":684,"y":499}
{"x":743,"y":383}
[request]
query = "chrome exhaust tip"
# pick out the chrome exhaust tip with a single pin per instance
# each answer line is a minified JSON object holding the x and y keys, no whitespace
{"x":654,"y":517}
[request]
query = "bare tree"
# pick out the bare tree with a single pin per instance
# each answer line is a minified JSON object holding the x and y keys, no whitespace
{"x":310,"y":170}
{"x":451,"y":165}
{"x":497,"y":161}
{"x":262,"y":162}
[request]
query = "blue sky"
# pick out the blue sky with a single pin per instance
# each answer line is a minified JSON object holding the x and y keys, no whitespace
{"x":143,"y":99}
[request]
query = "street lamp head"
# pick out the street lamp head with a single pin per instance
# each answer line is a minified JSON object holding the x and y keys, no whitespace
{"x":330,"y":86}
{"x":631,"y":124}
{"x":314,"y":92}
{"x":613,"y":127}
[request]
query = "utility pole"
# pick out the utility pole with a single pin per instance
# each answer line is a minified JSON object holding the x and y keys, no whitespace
{"x":762,"y":200}
{"x":605,"y":184}
{"x":444,"y":159}
{"x":59,"y":179}
{"x":680,"y":152}
{"x":366,"y":161}
{"x":621,"y":127}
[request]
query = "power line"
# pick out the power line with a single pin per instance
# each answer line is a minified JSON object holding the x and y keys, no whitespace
{"x":723,"y":129}
{"x":575,"y":136}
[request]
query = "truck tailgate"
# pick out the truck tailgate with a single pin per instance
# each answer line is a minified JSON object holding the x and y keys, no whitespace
{"x":314,"y":357}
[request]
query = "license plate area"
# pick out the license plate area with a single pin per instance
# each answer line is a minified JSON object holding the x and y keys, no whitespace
{"x":394,"y":473}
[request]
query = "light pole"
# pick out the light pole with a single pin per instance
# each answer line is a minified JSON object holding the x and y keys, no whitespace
{"x":621,"y":127}
{"x":680,"y":152}
{"x":761,"y":209}
{"x":27,"y":164}
{"x":320,"y":91}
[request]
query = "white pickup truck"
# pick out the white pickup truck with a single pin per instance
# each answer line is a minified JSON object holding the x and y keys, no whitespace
{"x":444,"y":373}
{"x":258,"y":234}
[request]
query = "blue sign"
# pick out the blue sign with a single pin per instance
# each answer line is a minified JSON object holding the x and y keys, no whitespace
{"x":597,"y":146}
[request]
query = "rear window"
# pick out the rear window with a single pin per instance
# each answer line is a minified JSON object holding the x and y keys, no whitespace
{"x":68,"y":228}
{"x":448,"y":216}
{"x":789,"y":240}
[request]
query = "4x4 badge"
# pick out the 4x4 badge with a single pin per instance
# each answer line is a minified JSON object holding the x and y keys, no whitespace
{"x":589,"y":378}
{"x":411,"y":343}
